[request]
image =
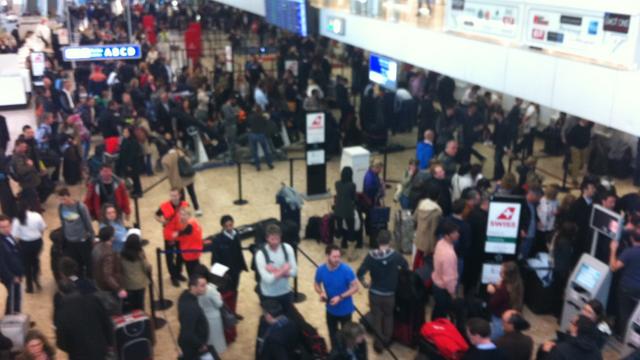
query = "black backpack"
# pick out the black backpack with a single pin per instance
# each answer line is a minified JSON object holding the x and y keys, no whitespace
{"x":262,"y":248}
{"x":185,"y":168}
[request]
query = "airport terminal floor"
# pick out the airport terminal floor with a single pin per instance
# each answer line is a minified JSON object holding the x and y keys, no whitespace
{"x":217,"y":190}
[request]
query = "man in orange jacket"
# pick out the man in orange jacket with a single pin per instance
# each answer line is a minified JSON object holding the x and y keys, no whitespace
{"x":189,"y":238}
{"x":168,"y":216}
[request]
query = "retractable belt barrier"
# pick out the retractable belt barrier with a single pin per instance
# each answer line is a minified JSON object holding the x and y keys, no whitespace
{"x":164,"y":304}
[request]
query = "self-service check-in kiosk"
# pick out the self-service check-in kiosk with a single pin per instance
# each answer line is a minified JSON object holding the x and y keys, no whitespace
{"x":632,"y":334}
{"x":590,"y":279}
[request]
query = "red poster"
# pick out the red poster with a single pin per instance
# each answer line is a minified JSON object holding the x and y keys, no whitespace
{"x":149,"y":25}
{"x":193,"y":41}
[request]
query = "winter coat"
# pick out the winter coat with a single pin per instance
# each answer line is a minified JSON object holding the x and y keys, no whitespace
{"x":427,"y":217}
{"x":170,"y":164}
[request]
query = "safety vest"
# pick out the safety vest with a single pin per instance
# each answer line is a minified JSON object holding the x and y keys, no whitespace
{"x":170,"y":214}
{"x":192,"y":241}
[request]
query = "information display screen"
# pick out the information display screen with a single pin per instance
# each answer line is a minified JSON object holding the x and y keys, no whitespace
{"x":383,"y":71}
{"x":290,"y":15}
{"x":102,"y":52}
{"x":606,"y":222}
{"x":587,"y":277}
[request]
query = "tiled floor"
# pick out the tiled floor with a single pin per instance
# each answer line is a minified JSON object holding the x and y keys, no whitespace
{"x":217,"y":189}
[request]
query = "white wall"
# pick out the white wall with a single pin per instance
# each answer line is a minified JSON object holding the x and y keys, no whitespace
{"x":604,"y":95}
{"x":253,"y":6}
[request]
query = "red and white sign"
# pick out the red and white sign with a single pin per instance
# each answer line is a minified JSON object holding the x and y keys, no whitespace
{"x":315,"y":128}
{"x":502,"y":228}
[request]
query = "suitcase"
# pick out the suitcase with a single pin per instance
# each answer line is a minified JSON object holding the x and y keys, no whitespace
{"x":377,"y":219}
{"x":403,"y":231}
{"x":312,"y":231}
{"x":133,"y":336}
{"x":261,"y":228}
{"x":538,"y":298}
{"x":409,"y":313}
{"x":15,"y":327}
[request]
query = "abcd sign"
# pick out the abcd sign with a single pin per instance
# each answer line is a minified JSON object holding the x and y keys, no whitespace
{"x":102,"y":52}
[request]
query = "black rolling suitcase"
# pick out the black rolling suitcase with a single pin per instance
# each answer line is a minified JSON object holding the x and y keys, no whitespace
{"x":540,"y":299}
{"x":133,"y":336}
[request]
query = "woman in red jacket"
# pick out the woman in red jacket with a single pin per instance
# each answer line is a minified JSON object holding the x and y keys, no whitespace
{"x":189,"y":238}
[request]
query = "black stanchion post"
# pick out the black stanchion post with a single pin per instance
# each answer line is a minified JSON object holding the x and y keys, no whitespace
{"x":162,"y":303}
{"x":564,"y":187}
{"x":158,"y":323}
{"x":291,"y":172}
{"x":384,"y":169}
{"x":137,"y":210}
{"x":298,"y":297}
{"x":240,"y":200}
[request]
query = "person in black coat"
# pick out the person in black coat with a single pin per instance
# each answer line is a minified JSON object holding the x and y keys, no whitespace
{"x":83,"y":327}
{"x":194,"y":328}
{"x":131,"y":160}
{"x":479,"y":334}
{"x":4,"y":135}
{"x":477,"y":220}
{"x":501,"y":141}
{"x":11,"y":269}
{"x":227,"y":250}
{"x":580,"y":214}
{"x":581,"y":345}
{"x":350,"y":343}
{"x":278,"y":336}
{"x":345,"y":204}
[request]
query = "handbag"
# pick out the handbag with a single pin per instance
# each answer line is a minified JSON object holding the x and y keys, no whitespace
{"x":185,"y":169}
{"x":229,"y":319}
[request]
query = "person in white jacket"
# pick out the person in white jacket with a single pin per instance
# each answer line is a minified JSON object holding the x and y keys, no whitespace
{"x":211,"y":304}
{"x":461,"y":181}
{"x":28,"y":227}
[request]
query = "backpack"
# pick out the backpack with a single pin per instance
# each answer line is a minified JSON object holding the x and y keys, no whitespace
{"x":326,"y":229}
{"x":185,"y":168}
{"x":312,"y":231}
{"x":446,"y":338}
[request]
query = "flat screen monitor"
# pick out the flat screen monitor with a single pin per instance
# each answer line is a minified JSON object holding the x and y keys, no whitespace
{"x":291,"y":15}
{"x":383,"y":71}
{"x":587,"y":277}
{"x":606,"y":222}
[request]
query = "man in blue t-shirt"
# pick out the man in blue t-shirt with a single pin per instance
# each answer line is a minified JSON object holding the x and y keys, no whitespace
{"x":335,"y":283}
{"x":628,"y":261}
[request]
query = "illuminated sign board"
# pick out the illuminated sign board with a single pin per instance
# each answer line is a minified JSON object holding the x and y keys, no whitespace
{"x":102,"y":52}
{"x":336,"y":25}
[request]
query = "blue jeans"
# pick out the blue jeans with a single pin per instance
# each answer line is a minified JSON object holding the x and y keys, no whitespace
{"x":254,"y":141}
{"x":404,"y":202}
{"x":525,"y":247}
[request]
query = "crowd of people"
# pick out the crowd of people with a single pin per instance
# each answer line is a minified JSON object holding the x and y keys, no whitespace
{"x":149,"y":117}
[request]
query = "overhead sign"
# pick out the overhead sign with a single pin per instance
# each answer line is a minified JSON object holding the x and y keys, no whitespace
{"x":102,"y":52}
{"x":315,"y":128}
{"x":484,"y":17}
{"x":336,"y":25}
{"x":502,"y":228}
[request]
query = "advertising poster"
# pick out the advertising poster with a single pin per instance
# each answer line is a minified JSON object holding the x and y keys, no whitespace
{"x":315,"y":128}
{"x":502,"y":228}
{"x":484,"y":17}
{"x":586,"y":33}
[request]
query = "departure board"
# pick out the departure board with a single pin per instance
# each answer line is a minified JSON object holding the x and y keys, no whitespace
{"x":290,"y":15}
